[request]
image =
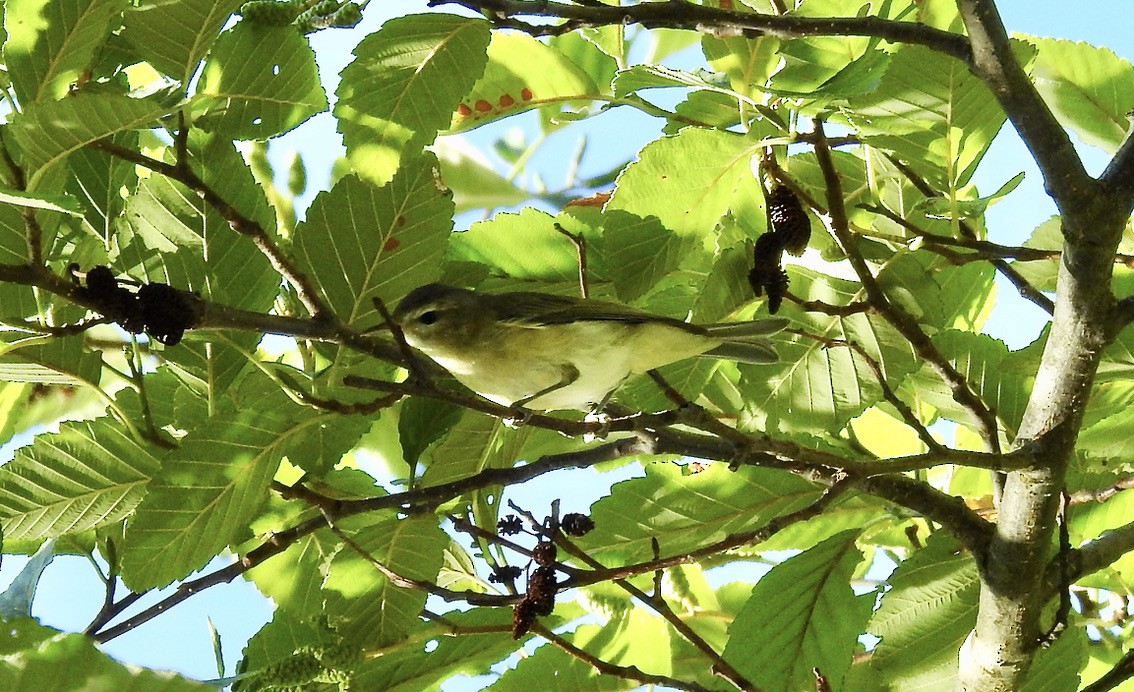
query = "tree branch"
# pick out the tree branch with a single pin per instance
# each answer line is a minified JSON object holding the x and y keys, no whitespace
{"x":906,"y":325}
{"x":606,"y":668}
{"x":1120,"y":673}
{"x":657,"y":603}
{"x":182,"y":172}
{"x":270,"y":548}
{"x":1025,"y":289}
{"x":1118,"y":177}
{"x":679,"y":14}
{"x":1092,"y":556}
{"x":994,"y":62}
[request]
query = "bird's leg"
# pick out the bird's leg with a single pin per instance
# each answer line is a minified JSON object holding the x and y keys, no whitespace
{"x":598,"y":414}
{"x":568,"y":375}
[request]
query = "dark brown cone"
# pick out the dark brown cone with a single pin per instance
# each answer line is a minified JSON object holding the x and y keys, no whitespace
{"x":788,"y":220}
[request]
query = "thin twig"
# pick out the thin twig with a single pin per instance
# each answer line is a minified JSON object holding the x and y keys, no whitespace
{"x":1080,"y":497}
{"x":904,"y":410}
{"x":470,"y":597}
{"x":105,"y":614}
{"x":658,"y":604}
{"x":182,"y":172}
{"x":831,"y":309}
{"x":735,"y":540}
{"x":678,"y":14}
{"x":1120,"y":673}
{"x":275,"y":545}
{"x":580,"y":244}
{"x":1025,"y":289}
{"x":906,"y":325}
{"x":606,"y":668}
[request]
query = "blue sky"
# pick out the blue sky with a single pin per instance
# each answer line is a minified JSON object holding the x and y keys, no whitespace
{"x":69,"y":595}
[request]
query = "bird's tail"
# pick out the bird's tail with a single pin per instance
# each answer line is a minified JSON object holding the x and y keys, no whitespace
{"x":745,"y":342}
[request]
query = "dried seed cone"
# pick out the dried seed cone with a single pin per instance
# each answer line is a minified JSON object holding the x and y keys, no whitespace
{"x":776,"y":291}
{"x":766,"y":275}
{"x":788,"y":220}
{"x":523,"y":615}
{"x":541,"y":590}
{"x":545,"y":554}
{"x":575,"y":524}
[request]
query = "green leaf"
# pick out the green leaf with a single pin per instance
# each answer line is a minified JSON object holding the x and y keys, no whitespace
{"x":259,"y":82}
{"x":638,"y":77}
{"x":458,"y":571}
{"x":176,"y":53}
{"x":1088,"y":88}
{"x":1057,"y":667}
{"x":361,"y":601}
{"x":1111,"y":402}
{"x":13,"y":239}
{"x":940,"y":294}
{"x":331,"y":437}
{"x":61,"y":203}
{"x":588,"y":55}
{"x":170,"y":235}
{"x":687,"y":181}
{"x":406,"y":669}
{"x":523,"y":245}
{"x":801,"y":615}
{"x":50,"y":360}
{"x":294,"y":581}
{"x":973,"y":208}
{"x":85,"y":476}
{"x":286,"y":633}
{"x":748,"y":62}
{"x":207,"y":490}
{"x":23,"y":634}
{"x":981,"y":361}
{"x":404,"y":85}
{"x":52,"y":42}
{"x":932,"y":112}
{"x":713,"y":108}
{"x":71,"y":662}
{"x":685,"y":512}
{"x":48,"y":132}
{"x":816,"y":387}
{"x":638,"y":638}
{"x":16,"y":601}
{"x":550,"y":669}
{"x":926,"y":615}
{"x":361,"y":241}
{"x":472,"y":178}
{"x":421,"y":422}
{"x":643,"y":251}
{"x":827,"y":67}
{"x":474,"y":444}
{"x":522,"y":73}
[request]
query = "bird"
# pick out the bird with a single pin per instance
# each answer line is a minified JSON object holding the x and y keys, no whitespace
{"x":547,"y":352}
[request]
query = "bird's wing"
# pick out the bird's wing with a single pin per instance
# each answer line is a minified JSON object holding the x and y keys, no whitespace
{"x":537,"y":309}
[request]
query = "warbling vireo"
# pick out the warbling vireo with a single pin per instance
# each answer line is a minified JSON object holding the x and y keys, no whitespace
{"x":549,"y":352}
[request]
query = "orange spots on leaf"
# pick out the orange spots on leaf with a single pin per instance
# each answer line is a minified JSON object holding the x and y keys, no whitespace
{"x":391,"y":244}
{"x":482,"y":106}
{"x":526,"y":94}
{"x":506,"y":100}
{"x":463,"y":110}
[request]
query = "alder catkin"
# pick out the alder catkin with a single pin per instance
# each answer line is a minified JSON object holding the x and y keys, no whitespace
{"x":788,"y":220}
{"x":766,"y":275}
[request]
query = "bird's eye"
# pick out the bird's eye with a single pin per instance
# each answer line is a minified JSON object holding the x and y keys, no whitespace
{"x":428,"y":317}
